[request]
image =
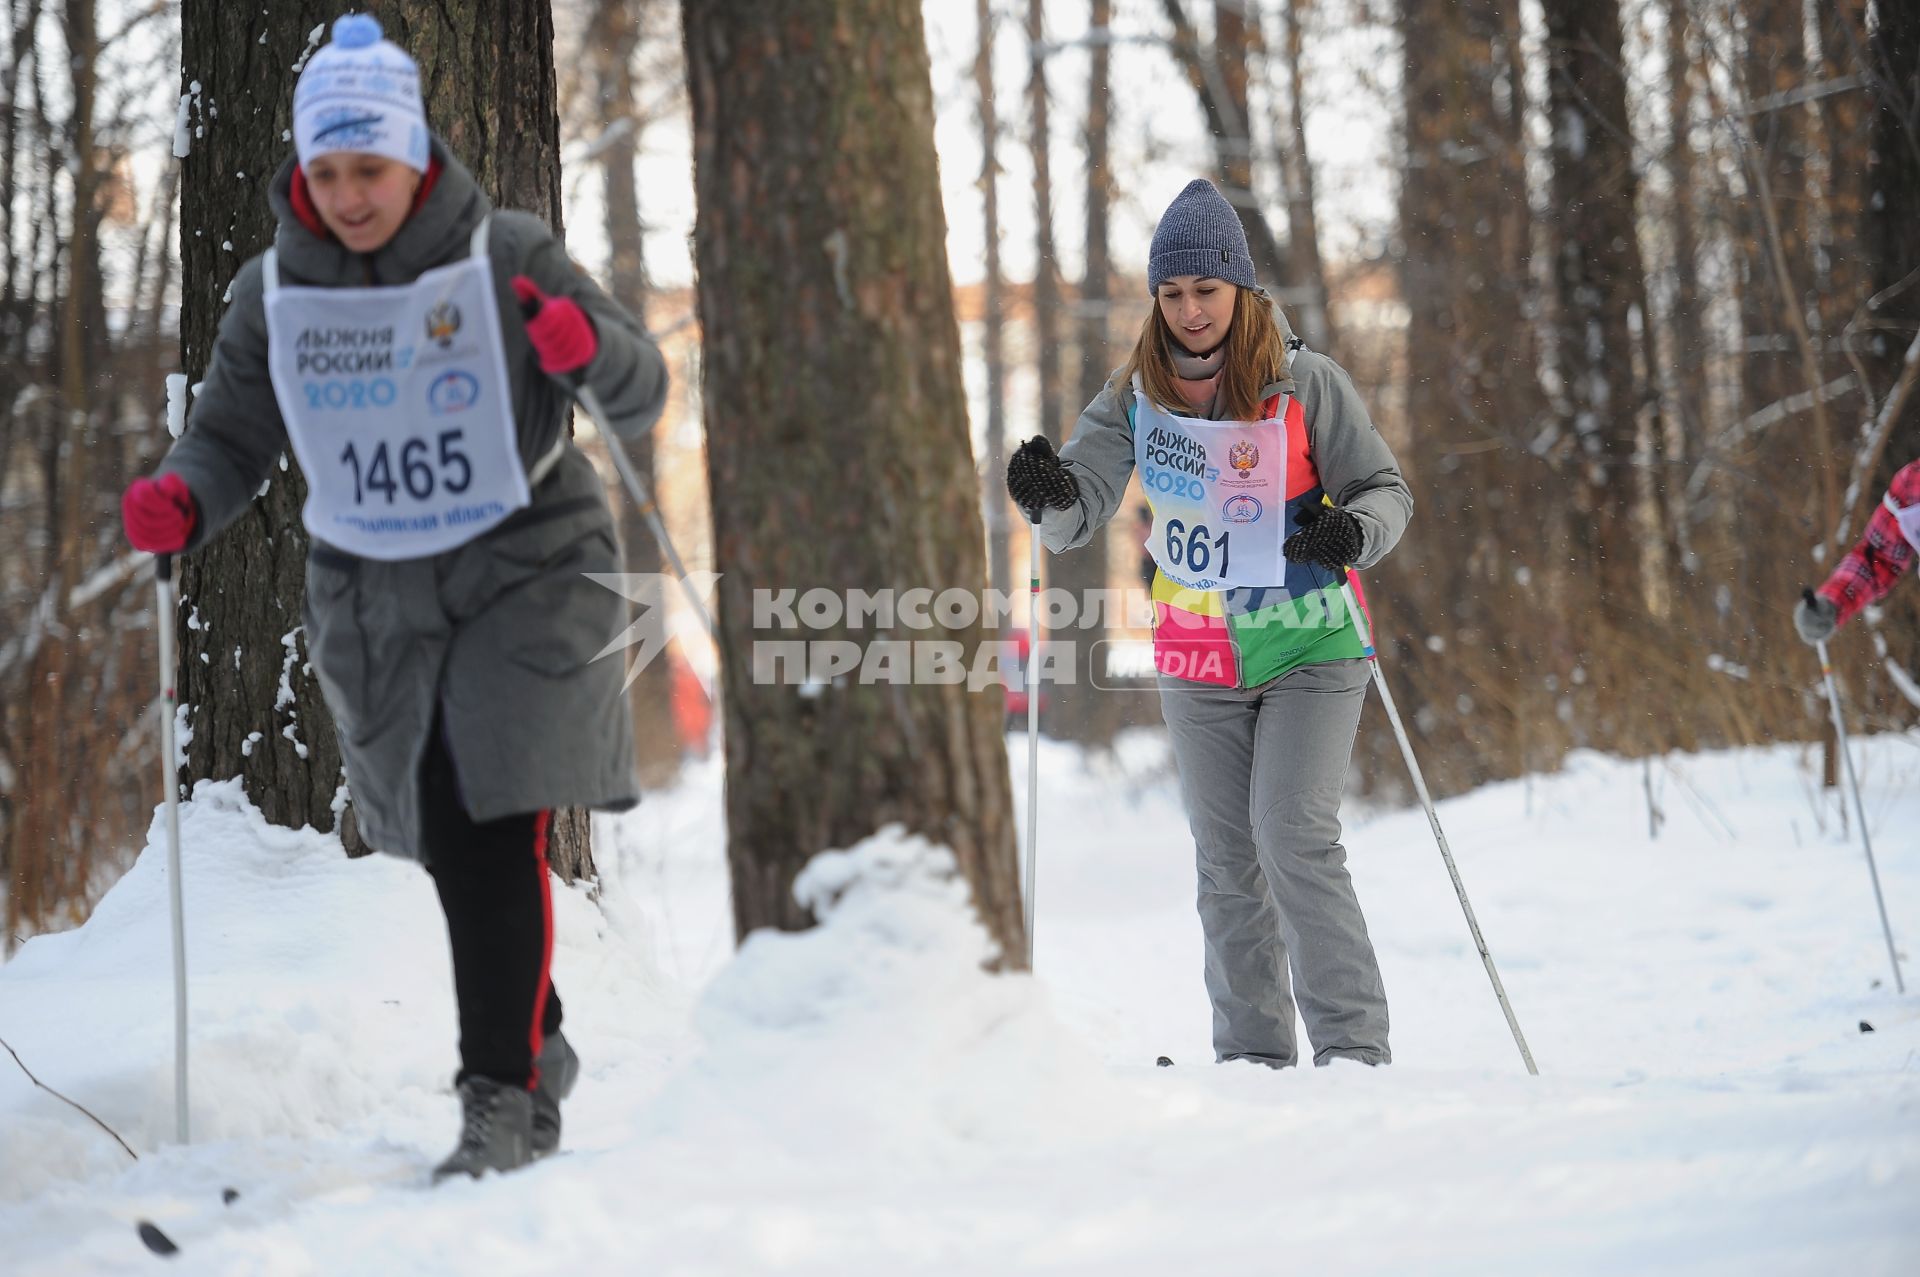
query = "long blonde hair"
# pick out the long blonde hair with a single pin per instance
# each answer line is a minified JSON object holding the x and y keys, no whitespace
{"x":1256,"y":357}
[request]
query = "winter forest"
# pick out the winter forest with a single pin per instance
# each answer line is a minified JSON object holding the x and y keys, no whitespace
{"x":1631,"y":288}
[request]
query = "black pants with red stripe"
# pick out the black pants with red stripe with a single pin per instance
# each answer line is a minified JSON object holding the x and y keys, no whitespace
{"x":492,"y":879}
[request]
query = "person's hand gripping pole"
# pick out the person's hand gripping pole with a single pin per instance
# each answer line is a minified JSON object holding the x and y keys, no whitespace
{"x":1036,"y":480}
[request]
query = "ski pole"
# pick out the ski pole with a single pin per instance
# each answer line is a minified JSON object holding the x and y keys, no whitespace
{"x":1859,"y":810}
{"x":643,"y":501}
{"x":1033,"y":729}
{"x":1433,"y":818}
{"x":636,"y":486}
{"x":170,"y":773}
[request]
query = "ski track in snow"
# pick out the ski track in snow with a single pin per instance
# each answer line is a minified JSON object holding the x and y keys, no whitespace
{"x":861,"y":1099}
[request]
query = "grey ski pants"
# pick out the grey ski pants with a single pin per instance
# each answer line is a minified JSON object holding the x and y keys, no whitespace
{"x":1262,"y":770}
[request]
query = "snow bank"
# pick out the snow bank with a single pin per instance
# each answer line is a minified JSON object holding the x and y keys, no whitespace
{"x":296,"y":1019}
{"x":882,"y":1029}
{"x":865,"y":1097}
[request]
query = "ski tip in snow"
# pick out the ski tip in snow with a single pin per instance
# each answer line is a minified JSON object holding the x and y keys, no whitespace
{"x":161,"y":1244}
{"x":157,"y":1242}
{"x":1163,"y":1062}
{"x":1865,"y":1027}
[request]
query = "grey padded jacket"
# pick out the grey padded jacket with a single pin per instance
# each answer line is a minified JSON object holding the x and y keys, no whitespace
{"x":496,"y":639}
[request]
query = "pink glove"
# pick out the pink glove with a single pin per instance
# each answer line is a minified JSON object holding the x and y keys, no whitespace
{"x":560,"y":331}
{"x":159,"y":514}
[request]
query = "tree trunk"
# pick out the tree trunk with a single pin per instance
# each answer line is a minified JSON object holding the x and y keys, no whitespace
{"x":167,"y":206}
{"x":19,"y":50}
{"x":45,"y":866}
{"x":1841,"y":280}
{"x":1785,"y":364}
{"x":1777,"y":285}
{"x":1095,"y":284}
{"x":1048,"y":356}
{"x":486,"y":71}
{"x":1236,"y":39}
{"x":488,"y":81}
{"x":1046,"y":265}
{"x":1218,"y":74}
{"x":1090,"y":712}
{"x":1686,"y":320}
{"x":1471,"y":387}
{"x":1600,"y":282}
{"x":1296,"y":175}
{"x":1893,"y":252}
{"x":837,"y":432}
{"x":993,"y":323}
{"x":616,"y":33}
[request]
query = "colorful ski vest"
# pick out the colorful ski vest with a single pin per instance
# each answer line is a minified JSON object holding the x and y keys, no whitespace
{"x":1210,"y":482}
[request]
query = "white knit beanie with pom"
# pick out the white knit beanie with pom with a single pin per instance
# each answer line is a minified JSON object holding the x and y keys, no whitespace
{"x":360,"y":93}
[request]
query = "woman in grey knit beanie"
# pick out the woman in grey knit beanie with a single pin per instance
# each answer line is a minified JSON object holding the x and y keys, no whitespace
{"x":1201,"y":235}
{"x":1269,"y":486}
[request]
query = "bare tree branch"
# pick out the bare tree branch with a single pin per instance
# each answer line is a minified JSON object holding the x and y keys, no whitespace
{"x":1873,"y":445}
{"x":64,"y":1100}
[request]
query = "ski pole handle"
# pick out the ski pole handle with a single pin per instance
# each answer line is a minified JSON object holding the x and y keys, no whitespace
{"x":1812,"y":600}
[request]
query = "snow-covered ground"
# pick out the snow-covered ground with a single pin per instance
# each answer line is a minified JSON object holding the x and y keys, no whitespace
{"x":860,"y":1099}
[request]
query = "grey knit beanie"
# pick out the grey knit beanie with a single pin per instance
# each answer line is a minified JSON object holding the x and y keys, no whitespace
{"x":1199,"y":234}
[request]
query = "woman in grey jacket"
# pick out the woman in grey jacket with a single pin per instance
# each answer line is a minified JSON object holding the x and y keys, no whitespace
{"x":447,"y":614}
{"x":1269,"y":486}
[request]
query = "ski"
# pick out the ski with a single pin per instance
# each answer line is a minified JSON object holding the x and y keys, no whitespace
{"x":157,"y":1242}
{"x":156,"y":1239}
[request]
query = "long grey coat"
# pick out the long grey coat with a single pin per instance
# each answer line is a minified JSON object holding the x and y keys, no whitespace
{"x":499,"y":633}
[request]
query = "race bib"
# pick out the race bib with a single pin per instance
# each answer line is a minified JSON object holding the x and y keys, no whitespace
{"x":399,"y":408}
{"x":1218,"y":493}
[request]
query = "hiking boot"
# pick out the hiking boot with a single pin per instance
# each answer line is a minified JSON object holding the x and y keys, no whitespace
{"x":496,"y":1130}
{"x":559,"y":1070}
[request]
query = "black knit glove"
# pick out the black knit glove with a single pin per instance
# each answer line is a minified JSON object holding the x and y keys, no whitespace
{"x":1328,"y":536}
{"x":1036,"y":478}
{"x":1816,"y":618}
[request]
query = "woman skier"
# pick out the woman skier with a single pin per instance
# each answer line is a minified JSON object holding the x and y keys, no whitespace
{"x":452,"y":520}
{"x":1881,"y":557}
{"x":1268,"y":483}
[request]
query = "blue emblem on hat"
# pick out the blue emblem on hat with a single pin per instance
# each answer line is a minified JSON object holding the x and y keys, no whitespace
{"x":347,"y":128}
